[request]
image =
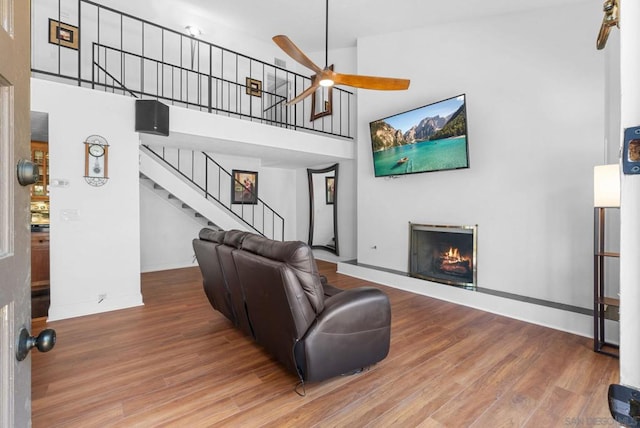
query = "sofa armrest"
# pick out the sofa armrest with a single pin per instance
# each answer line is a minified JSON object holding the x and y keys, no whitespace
{"x":352,"y":332}
{"x":355,"y":309}
{"x":328,"y":289}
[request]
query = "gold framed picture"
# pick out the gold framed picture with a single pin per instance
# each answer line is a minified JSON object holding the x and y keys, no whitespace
{"x":254,"y":87}
{"x":63,"y":34}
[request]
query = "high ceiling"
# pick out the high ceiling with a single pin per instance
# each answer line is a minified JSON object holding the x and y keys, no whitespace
{"x":304,"y":20}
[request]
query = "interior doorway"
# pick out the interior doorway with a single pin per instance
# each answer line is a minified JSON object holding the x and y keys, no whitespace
{"x":40,"y":255}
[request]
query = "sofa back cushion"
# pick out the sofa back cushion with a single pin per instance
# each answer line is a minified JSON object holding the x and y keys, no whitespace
{"x":211,"y":235}
{"x":298,"y":257}
{"x":234,"y":238}
{"x":230,"y":272}
{"x":278,"y":309}
{"x":213,"y":280}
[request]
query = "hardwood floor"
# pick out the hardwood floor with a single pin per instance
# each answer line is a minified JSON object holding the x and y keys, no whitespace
{"x":177,"y":362}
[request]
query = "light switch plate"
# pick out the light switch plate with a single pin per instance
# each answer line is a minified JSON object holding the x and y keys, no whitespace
{"x":70,"y":215}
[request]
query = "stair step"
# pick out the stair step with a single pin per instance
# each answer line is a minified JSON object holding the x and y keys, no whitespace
{"x":199,"y":215}
{"x":143,"y":176}
{"x":157,"y":186}
{"x":171,"y":196}
{"x":185,"y":206}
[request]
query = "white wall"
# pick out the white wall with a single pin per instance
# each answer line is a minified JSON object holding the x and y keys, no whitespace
{"x":166,"y":231}
{"x":346,"y":197}
{"x":95,"y":236}
{"x":535,"y":89}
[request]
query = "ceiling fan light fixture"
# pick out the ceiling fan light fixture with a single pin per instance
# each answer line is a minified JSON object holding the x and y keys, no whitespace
{"x":326,"y":83}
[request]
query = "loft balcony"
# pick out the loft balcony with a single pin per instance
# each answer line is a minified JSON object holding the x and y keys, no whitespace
{"x":83,"y":43}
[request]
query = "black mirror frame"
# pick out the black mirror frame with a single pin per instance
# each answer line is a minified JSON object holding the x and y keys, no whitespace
{"x":310,"y":173}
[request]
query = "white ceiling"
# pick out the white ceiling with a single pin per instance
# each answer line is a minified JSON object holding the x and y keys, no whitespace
{"x":304,"y":20}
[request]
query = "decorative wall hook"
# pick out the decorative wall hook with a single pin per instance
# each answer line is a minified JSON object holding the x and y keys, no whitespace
{"x":611,"y":17}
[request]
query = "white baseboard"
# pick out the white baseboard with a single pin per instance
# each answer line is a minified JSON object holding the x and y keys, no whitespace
{"x":555,"y":318}
{"x":78,"y":309}
{"x":168,"y":266}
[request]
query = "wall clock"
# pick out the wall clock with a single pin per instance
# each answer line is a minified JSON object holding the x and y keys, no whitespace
{"x":96,"y":160}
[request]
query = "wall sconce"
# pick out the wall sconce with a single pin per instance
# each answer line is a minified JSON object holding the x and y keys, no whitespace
{"x":606,"y":186}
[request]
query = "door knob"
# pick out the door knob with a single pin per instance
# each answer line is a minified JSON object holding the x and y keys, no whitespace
{"x":27,"y":172}
{"x":45,"y":342}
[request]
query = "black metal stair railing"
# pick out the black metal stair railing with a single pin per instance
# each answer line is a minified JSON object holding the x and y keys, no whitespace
{"x":217,"y":184}
{"x":271,"y":105}
{"x":113,"y":51}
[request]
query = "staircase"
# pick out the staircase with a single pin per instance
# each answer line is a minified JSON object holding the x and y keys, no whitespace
{"x":202,"y":187}
{"x":175,"y":201}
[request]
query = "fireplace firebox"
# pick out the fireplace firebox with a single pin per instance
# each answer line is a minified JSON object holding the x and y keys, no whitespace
{"x":444,"y":254}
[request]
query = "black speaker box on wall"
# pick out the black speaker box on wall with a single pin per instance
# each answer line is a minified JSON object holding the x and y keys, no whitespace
{"x":152,"y":117}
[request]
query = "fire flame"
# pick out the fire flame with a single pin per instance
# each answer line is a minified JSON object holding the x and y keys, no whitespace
{"x":453,"y":256}
{"x":454,"y":263}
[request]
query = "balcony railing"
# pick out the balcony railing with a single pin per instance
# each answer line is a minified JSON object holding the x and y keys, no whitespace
{"x":90,"y":45}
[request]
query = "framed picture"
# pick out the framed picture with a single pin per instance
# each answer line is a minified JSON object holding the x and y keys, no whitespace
{"x":254,"y":87}
{"x":63,"y":34}
{"x":330,"y":184}
{"x":244,"y":187}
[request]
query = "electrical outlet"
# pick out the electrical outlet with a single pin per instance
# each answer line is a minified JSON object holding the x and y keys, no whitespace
{"x":101,"y":297}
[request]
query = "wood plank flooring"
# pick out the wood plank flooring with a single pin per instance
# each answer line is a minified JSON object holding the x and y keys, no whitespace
{"x":177,"y":362}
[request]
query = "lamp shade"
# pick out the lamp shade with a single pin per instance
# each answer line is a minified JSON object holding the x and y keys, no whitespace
{"x":606,"y":185}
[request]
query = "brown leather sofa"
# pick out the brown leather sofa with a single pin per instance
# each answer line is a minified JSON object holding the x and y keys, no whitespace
{"x":272,"y":291}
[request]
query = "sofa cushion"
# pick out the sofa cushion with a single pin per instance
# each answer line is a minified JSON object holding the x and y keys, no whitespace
{"x":214,"y":283}
{"x":216,"y":236}
{"x":234,"y":238}
{"x":298,"y":256}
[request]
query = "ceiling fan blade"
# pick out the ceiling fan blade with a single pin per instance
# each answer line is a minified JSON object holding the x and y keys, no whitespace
{"x":371,"y":82}
{"x":295,"y":52}
{"x":304,"y":94}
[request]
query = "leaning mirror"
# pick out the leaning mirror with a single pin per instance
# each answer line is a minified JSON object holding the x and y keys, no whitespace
{"x":323,"y":208}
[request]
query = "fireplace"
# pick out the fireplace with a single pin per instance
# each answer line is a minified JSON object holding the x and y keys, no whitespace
{"x":445,"y":254}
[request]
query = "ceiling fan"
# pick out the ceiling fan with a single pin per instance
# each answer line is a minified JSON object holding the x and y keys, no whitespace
{"x":327,"y":77}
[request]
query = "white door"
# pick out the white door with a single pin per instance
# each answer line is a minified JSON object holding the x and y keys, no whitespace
{"x":15,"y":275}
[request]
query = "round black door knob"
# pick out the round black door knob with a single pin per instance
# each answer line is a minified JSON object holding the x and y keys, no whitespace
{"x":45,"y":342}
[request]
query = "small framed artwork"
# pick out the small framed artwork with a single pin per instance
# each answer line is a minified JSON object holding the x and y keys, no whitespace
{"x":330,"y":183}
{"x":244,"y":187}
{"x":254,"y":87}
{"x":63,"y":34}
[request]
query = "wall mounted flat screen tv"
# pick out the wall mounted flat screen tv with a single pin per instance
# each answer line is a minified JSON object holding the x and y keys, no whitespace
{"x":428,"y":138}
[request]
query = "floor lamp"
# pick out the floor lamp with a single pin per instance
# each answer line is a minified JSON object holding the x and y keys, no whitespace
{"x":606,"y":194}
